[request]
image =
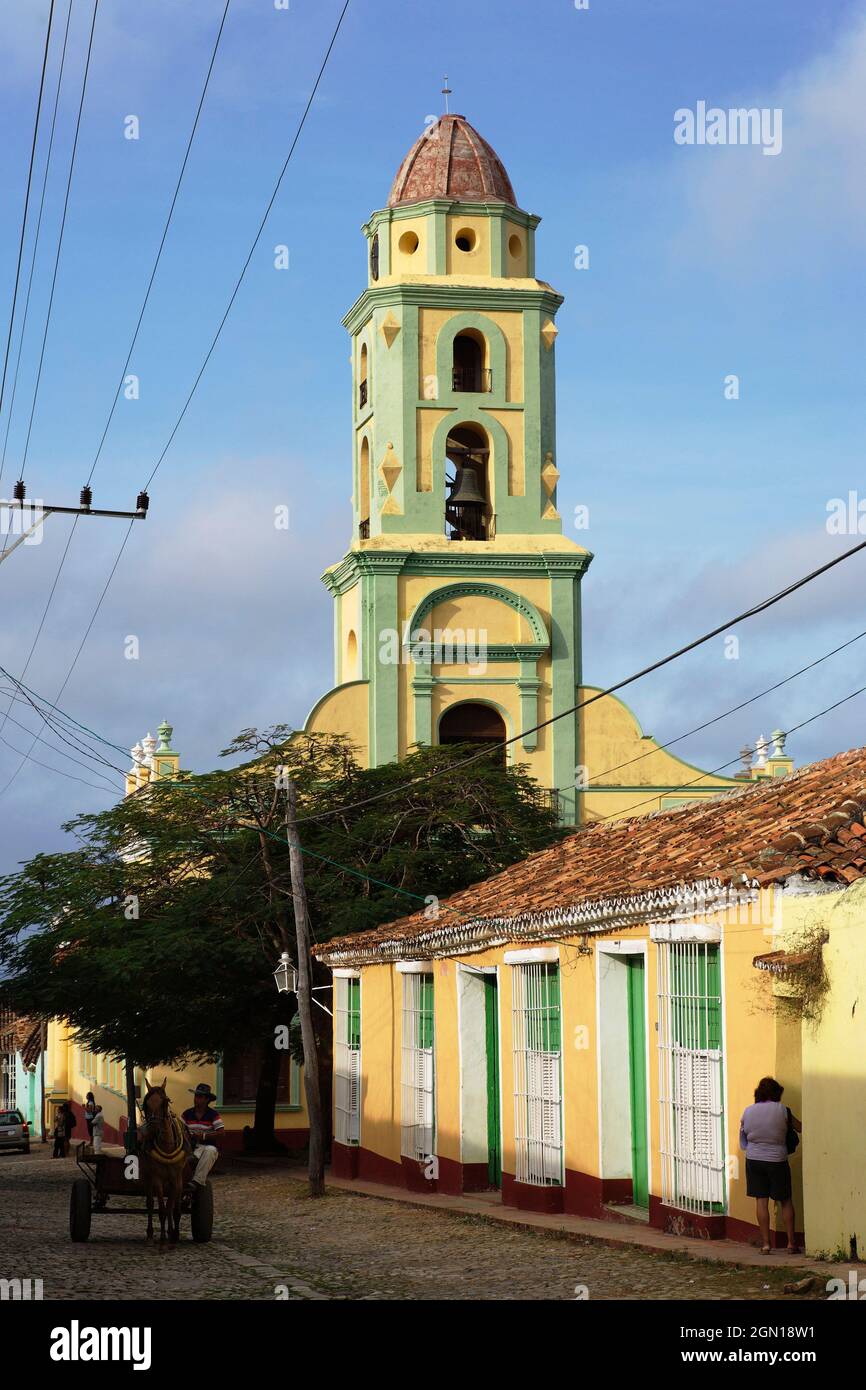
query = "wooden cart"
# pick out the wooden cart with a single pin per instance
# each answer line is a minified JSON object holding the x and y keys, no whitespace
{"x":106,"y":1187}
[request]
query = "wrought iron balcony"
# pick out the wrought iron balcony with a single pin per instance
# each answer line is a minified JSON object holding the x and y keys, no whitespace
{"x":364,"y":530}
{"x":362,"y":395}
{"x":471,"y":379}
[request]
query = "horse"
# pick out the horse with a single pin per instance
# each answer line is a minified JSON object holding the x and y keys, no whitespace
{"x":164,"y":1146}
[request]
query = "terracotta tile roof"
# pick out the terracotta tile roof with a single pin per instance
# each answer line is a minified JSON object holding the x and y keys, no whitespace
{"x":810,"y":823}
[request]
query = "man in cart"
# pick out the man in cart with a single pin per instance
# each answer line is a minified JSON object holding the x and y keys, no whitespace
{"x":206,"y":1128}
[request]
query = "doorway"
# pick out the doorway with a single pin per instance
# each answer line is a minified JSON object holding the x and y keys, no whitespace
{"x":624,"y":1147}
{"x":637,"y":1078}
{"x":480,"y":1117}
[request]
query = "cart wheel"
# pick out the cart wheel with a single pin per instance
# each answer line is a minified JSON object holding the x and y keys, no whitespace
{"x":201,"y":1214}
{"x":79,"y":1210}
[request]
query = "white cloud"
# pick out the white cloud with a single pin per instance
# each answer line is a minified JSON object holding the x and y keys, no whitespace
{"x":804,"y":207}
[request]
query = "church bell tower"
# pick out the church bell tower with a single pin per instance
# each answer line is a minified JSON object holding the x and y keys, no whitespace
{"x":457,"y":605}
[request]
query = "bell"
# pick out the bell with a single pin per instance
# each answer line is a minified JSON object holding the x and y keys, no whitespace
{"x":464,"y":507}
{"x":464,"y":489}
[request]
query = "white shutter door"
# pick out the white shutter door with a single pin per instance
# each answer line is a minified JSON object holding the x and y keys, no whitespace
{"x":353,"y":1099}
{"x":551,"y":1125}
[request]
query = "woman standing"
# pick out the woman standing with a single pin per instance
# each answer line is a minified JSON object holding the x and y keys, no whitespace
{"x":90,"y":1108}
{"x":764,"y":1131}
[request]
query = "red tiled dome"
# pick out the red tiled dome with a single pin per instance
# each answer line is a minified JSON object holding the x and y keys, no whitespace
{"x":451,"y":160}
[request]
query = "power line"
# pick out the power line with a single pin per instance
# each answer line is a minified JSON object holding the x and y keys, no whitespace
{"x":494,"y":749}
{"x":68,"y":675}
{"x":732,"y":761}
{"x":203,"y":366}
{"x":724,"y":715}
{"x":26,"y":203}
{"x":252,"y":249}
{"x":162,"y":239}
{"x":60,"y":236}
{"x":36,"y":239}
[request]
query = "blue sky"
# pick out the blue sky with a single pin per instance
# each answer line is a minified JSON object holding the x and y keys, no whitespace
{"x":703,"y":262}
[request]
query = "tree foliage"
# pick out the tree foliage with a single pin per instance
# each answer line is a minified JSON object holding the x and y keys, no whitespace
{"x":156,"y":937}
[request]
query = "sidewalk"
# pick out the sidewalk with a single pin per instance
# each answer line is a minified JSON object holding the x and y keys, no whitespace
{"x":614,"y":1233}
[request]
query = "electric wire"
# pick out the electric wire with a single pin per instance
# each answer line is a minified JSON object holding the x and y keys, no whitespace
{"x":724,"y":715}
{"x":26,"y":204}
{"x":36,"y":240}
{"x":162,"y":242}
{"x":252,"y":249}
{"x":494,"y":749}
{"x":60,"y":237}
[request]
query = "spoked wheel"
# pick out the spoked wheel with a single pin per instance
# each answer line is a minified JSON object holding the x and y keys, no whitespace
{"x":79,"y":1210}
{"x":201,"y":1214}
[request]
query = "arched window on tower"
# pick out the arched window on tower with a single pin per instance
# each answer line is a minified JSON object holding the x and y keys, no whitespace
{"x":364,"y":490}
{"x":468,"y":372}
{"x":468,"y":513}
{"x":474,"y":723}
{"x":362,"y":378}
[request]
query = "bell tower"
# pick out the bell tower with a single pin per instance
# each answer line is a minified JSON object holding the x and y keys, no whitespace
{"x":457,"y":606}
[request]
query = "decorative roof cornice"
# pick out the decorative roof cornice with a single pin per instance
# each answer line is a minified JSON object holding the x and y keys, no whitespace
{"x":679,"y":902}
{"x":356,"y":562}
{"x":431,"y":294}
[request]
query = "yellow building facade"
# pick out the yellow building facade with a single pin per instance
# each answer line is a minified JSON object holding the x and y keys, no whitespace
{"x":584,"y":1031}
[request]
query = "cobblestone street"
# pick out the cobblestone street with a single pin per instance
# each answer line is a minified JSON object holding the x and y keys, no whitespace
{"x":268,"y":1233}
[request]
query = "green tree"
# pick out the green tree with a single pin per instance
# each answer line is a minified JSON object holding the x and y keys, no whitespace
{"x":156,"y":937}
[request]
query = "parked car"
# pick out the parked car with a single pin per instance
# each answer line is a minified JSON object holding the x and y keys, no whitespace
{"x":14,"y":1131}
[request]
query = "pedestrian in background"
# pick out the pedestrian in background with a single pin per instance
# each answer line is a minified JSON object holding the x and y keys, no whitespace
{"x":59,"y":1132}
{"x":90,"y":1108}
{"x":96,"y":1127}
{"x":768,"y":1133}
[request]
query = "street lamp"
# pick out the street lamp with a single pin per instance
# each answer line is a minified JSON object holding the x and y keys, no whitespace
{"x":286,"y":976}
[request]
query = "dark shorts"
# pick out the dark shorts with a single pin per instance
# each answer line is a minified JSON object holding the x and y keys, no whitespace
{"x":771,"y":1180}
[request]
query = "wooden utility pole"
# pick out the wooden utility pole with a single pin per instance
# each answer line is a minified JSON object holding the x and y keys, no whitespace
{"x":312,"y":1088}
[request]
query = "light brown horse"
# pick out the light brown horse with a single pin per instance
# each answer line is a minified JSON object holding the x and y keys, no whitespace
{"x":164,"y":1146}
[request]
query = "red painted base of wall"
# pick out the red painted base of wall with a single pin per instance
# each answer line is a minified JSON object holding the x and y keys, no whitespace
{"x":527,"y":1197}
{"x":583,"y":1194}
{"x":344,"y":1160}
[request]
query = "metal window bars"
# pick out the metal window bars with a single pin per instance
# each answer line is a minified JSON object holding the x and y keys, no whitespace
{"x":690,"y":1076}
{"x":417,"y":1069}
{"x":536,"y":1037}
{"x":347,"y":1061}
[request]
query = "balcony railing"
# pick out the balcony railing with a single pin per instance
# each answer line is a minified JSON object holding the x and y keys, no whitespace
{"x":364,"y":530}
{"x":471,"y":379}
{"x":362,"y":395}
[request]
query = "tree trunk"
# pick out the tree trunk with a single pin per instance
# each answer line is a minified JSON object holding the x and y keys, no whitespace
{"x":305,"y":1000}
{"x":130,"y":1141}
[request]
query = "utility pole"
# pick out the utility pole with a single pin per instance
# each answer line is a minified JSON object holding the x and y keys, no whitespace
{"x":312,"y":1088}
{"x":39,"y":512}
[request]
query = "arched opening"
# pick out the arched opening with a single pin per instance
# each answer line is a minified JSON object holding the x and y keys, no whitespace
{"x":467,"y":504}
{"x":351,"y":671}
{"x":474,"y":723}
{"x":362,"y":378}
{"x":364,"y":490}
{"x":467,"y":369}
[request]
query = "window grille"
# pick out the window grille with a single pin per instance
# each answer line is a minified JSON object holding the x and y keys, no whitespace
{"x":537,"y":1073}
{"x":347,"y":1060}
{"x":417,"y":1130}
{"x":10,"y":1082}
{"x":690,"y":1076}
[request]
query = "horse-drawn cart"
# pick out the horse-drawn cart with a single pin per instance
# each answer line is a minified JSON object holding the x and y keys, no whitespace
{"x":109,"y":1177}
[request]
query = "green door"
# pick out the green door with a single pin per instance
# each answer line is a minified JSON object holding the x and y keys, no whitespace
{"x":637,"y":1078}
{"x":491,"y":1033}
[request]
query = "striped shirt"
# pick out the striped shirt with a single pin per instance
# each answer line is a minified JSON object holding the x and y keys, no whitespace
{"x":203,"y":1127}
